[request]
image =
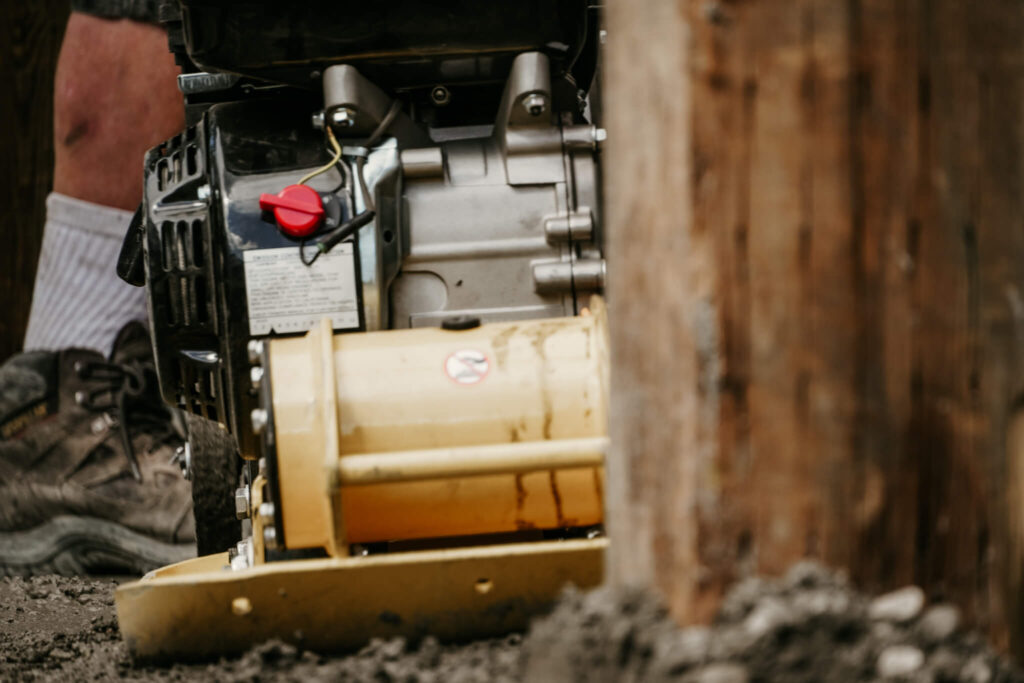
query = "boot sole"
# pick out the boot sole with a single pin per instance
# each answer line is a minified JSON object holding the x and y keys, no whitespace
{"x":85,"y":545}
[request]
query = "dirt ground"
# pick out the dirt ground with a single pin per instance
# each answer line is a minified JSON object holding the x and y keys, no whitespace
{"x":808,"y":626}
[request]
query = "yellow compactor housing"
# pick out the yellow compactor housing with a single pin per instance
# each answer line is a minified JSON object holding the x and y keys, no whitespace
{"x":431,"y":433}
{"x":470,"y":443}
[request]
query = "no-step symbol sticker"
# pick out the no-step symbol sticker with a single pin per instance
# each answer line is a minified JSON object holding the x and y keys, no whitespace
{"x":467,"y":366}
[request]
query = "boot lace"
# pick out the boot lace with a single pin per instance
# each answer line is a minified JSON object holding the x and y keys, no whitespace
{"x":120,"y":390}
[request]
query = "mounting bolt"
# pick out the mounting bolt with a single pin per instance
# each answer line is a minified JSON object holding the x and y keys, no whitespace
{"x":318,"y":120}
{"x":343,"y":117}
{"x":270,"y":538}
{"x":203,"y":192}
{"x":242,"y":502}
{"x":255,"y":351}
{"x":440,"y":95}
{"x":535,"y":104}
{"x":256,"y":377}
{"x":600,"y":135}
{"x":183,"y":457}
{"x":266,"y":514}
{"x":259,"y":417}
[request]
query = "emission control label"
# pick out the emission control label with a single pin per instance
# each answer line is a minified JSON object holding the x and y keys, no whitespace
{"x":285,"y":295}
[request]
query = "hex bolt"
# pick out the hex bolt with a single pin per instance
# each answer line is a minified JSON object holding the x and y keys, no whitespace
{"x":535,"y":104}
{"x":258,"y":417}
{"x":256,"y":377}
{"x":266,"y":513}
{"x":255,"y":351}
{"x":203,"y":192}
{"x":343,"y":117}
{"x":183,"y":457}
{"x":318,"y":120}
{"x":242,"y":502}
{"x":270,"y":538}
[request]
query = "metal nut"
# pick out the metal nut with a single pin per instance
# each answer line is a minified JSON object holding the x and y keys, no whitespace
{"x":343,"y":117}
{"x":183,"y":457}
{"x":266,"y":513}
{"x":255,"y":351}
{"x":256,"y":377}
{"x":535,"y":104}
{"x":259,"y":418}
{"x":440,"y":95}
{"x":242,"y":502}
{"x":270,"y":538}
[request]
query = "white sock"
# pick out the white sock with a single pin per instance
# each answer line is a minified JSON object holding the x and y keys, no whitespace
{"x":78,"y":298}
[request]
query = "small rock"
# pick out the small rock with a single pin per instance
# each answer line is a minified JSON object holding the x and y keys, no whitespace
{"x":392,"y":649}
{"x":677,"y":652}
{"x":820,"y":601}
{"x":882,"y":631}
{"x":807,"y":574}
{"x":976,"y":670}
{"x":58,"y":653}
{"x":719,"y":673}
{"x":899,"y":660}
{"x":770,"y":614}
{"x":743,"y":597}
{"x":429,"y":654}
{"x":939,"y":622}
{"x":944,"y":664}
{"x":898,"y":606}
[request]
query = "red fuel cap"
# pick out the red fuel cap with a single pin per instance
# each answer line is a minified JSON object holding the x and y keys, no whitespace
{"x":297,"y":209}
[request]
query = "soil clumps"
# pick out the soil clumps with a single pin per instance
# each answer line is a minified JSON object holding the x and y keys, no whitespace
{"x":808,"y":626}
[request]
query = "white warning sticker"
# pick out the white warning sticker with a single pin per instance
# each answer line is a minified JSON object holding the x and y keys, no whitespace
{"x":467,"y":366}
{"x":284,"y":295}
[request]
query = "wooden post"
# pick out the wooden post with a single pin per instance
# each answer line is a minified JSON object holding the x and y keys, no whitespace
{"x":816,"y":285}
{"x":30,"y":39}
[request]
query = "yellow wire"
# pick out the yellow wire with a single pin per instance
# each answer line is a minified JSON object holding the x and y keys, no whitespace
{"x":329,"y":165}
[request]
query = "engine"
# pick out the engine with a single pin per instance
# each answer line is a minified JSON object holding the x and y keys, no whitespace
{"x":381,"y":165}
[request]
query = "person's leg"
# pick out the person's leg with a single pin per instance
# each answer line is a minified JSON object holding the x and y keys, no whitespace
{"x":115,"y":97}
{"x":87,"y":446}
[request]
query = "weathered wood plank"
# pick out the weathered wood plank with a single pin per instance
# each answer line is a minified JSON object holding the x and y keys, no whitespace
{"x":815,"y":282}
{"x":30,"y":37}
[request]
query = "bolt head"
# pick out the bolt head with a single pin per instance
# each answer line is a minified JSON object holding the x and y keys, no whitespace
{"x":183,"y":456}
{"x":266,"y":513}
{"x":440,"y":95}
{"x":318,"y":120}
{"x":343,"y":117}
{"x":258,"y":417}
{"x":255,"y":350}
{"x":600,"y":135}
{"x":270,"y":538}
{"x":535,"y":104}
{"x":256,"y":377}
{"x":242,"y":502}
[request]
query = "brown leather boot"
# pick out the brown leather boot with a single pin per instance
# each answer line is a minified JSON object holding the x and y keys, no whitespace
{"x":88,"y":478}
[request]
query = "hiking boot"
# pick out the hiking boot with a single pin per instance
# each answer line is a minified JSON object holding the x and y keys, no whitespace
{"x":88,"y":478}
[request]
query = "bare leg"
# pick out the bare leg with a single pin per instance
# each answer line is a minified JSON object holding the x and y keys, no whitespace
{"x":115,"y":97}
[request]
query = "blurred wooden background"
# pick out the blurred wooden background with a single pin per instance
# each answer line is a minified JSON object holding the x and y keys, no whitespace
{"x":816,"y":295}
{"x":30,"y":37}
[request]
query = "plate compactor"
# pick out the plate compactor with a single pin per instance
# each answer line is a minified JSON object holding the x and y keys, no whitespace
{"x":373,"y":264}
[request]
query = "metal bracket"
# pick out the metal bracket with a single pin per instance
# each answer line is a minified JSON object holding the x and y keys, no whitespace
{"x":530,"y":142}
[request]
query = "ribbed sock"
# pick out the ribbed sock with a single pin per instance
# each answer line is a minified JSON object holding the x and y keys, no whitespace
{"x":78,"y":298}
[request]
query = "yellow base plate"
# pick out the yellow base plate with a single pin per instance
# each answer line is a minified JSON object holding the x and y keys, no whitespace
{"x":197,"y":609}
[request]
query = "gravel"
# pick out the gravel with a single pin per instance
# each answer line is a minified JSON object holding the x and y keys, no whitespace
{"x":808,"y":626}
